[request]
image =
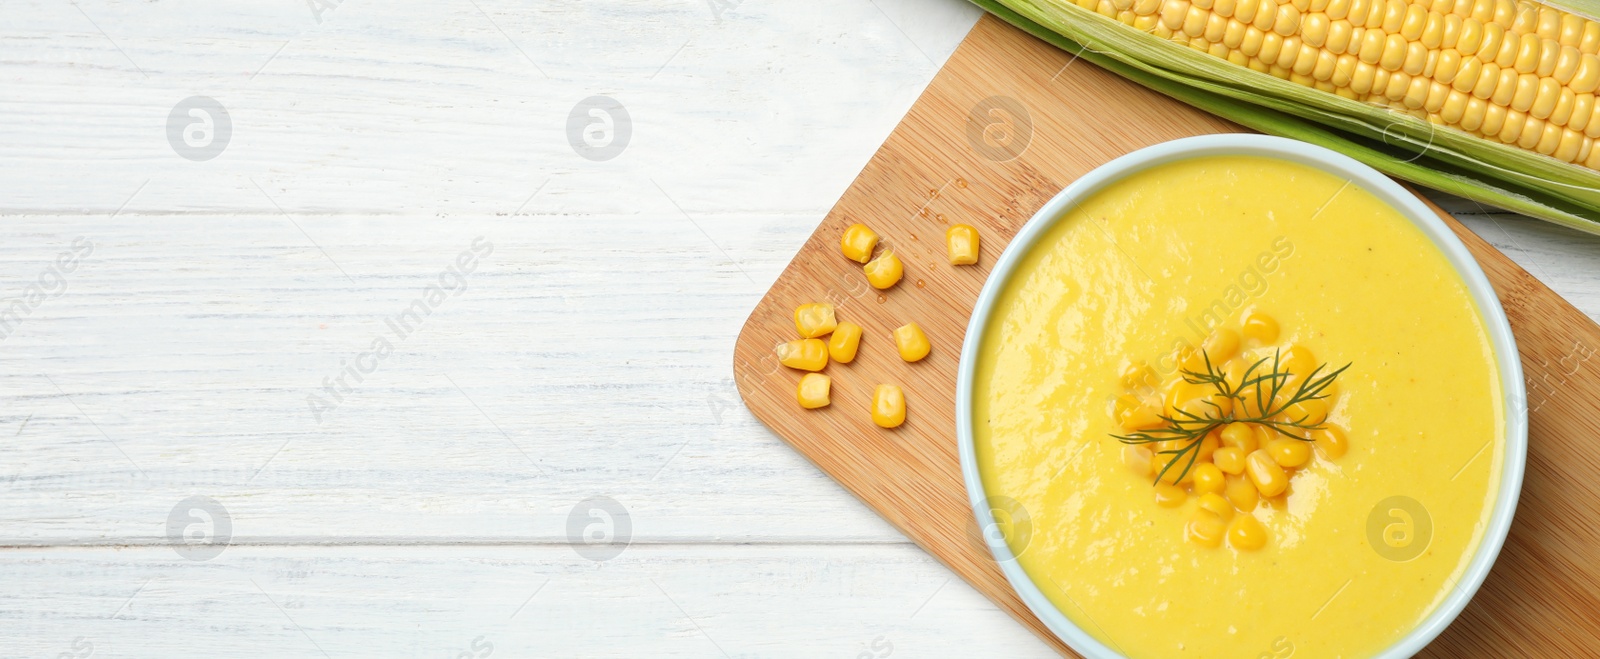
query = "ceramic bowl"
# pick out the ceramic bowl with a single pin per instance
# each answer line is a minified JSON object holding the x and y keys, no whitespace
{"x":1412,"y":208}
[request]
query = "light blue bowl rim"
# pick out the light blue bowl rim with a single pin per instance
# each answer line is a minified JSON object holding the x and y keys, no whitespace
{"x":1499,"y":328}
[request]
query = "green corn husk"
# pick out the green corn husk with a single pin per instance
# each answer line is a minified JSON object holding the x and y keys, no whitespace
{"x":1393,"y":142}
{"x":1585,"y":7}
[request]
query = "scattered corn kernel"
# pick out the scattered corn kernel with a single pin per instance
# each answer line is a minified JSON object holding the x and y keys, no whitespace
{"x":1269,"y":478}
{"x":844,"y":341}
{"x":962,"y":241}
{"x":888,"y":406}
{"x":1242,"y":493}
{"x":1208,"y":478}
{"x":1229,"y":459}
{"x":1206,"y":529}
{"x":1289,"y":453}
{"x":813,"y":391}
{"x":857,"y":243}
{"x":1170,"y":496}
{"x":1331,"y":442}
{"x":1260,"y":327}
{"x":814,"y":320}
{"x":913,"y":344}
{"x":804,"y":354}
{"x":1245,"y":532}
{"x":884,"y":271}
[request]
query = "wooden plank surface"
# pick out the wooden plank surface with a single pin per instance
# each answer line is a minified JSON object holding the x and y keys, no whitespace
{"x":433,"y":602}
{"x":1050,"y":120}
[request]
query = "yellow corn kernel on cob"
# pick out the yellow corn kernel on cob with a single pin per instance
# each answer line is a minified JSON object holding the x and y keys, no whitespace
{"x":1516,"y":72}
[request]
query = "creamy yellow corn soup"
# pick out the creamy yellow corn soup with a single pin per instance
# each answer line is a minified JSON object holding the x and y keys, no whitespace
{"x":1367,"y":540}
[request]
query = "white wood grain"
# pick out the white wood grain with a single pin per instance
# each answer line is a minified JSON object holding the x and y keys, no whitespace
{"x":430,"y":108}
{"x":677,"y":601}
{"x":1566,"y":261}
{"x":193,"y":344}
{"x":368,"y":150}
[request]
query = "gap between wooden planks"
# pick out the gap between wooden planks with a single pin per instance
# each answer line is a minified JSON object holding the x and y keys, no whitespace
{"x":1053,"y":119}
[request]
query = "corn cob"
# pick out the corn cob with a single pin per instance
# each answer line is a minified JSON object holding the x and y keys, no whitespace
{"x":1514,"y":72}
{"x":1512,"y":83}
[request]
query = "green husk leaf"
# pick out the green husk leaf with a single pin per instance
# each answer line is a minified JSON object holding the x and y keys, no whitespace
{"x":1396,"y":143}
{"x":1172,"y":60}
{"x":1589,"y":8}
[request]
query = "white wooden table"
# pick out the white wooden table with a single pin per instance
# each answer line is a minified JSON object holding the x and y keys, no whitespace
{"x":166,"y":488}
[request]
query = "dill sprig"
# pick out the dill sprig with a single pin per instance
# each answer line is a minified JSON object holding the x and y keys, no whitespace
{"x":1191,"y":429}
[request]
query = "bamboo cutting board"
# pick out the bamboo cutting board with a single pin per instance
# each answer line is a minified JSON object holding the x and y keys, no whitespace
{"x":1007,"y":123}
